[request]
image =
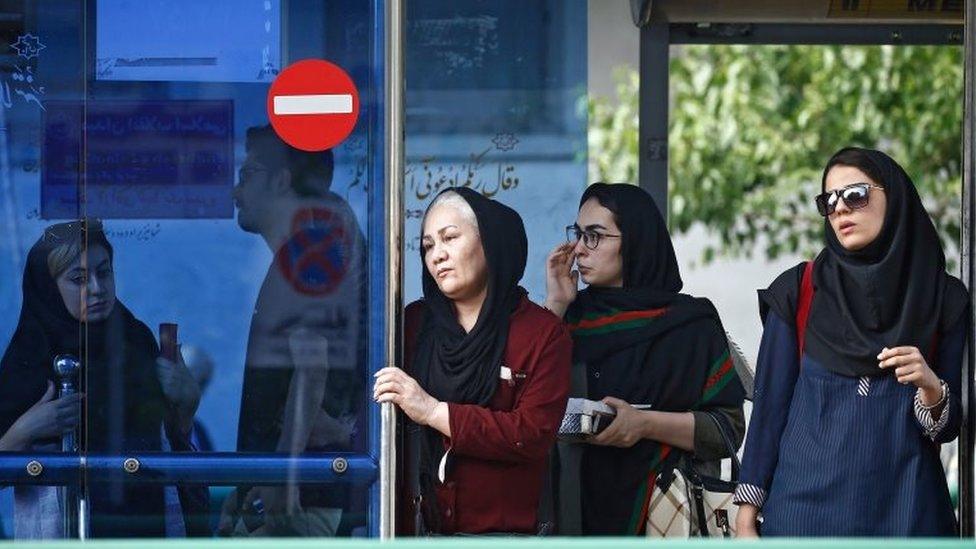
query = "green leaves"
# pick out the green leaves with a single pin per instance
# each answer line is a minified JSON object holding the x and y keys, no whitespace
{"x":752,"y":126}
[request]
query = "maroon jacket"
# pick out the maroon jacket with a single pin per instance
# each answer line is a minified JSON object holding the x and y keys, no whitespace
{"x":500,"y":452}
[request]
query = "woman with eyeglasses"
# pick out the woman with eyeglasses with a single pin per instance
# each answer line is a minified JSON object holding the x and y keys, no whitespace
{"x":637,"y":341}
{"x":486,"y":376}
{"x":130,"y":397}
{"x":858,"y":377}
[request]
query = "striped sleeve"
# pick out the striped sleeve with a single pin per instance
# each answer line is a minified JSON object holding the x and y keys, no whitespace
{"x":948,"y":366}
{"x":923,"y":414}
{"x":749,"y":493}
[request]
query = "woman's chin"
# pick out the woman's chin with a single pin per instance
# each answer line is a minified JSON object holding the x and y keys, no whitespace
{"x":96,"y":316}
{"x":854,"y":243}
{"x":449,"y":289}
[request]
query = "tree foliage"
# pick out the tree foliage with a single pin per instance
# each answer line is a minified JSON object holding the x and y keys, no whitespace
{"x":752,"y":126}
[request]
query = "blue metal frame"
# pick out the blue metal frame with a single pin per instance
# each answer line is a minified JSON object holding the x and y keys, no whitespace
{"x":213,"y":468}
{"x":376,"y":244}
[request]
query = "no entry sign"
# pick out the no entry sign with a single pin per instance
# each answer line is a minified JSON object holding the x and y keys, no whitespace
{"x":313,"y":105}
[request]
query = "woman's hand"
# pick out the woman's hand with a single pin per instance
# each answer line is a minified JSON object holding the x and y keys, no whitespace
{"x":561,"y":279}
{"x":627,"y":428}
{"x":394,"y":385}
{"x":179,"y":388}
{"x":910,"y":367}
{"x":47,"y":418}
{"x":745,"y":521}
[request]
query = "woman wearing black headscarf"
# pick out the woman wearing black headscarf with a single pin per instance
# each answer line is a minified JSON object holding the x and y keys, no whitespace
{"x":636,"y":341}
{"x":486,"y":378}
{"x":858,"y":379}
{"x":129,"y":398}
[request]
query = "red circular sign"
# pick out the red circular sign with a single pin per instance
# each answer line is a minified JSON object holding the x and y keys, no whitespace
{"x":313,"y":105}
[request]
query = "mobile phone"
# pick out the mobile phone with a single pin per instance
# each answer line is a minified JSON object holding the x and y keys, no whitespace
{"x":168,"y":341}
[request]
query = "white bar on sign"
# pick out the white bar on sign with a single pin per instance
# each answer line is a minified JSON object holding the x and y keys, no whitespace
{"x":313,"y":104}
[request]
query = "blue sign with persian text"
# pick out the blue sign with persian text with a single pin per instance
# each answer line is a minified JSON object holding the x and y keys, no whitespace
{"x":137,"y":160}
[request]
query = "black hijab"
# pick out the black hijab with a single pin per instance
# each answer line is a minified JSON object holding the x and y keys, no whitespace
{"x":124,"y":406}
{"x":651,"y":278}
{"x":893,"y":292}
{"x":645,"y":343}
{"x":459,"y":367}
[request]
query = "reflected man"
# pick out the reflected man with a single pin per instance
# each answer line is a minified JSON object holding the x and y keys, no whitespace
{"x":306,"y":354}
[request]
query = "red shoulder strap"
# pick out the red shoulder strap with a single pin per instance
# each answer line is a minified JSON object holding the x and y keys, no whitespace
{"x":803,"y":305}
{"x":803,"y":312}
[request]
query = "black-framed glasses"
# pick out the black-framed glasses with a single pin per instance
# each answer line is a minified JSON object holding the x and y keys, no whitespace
{"x":246,"y":172}
{"x":855,"y":196}
{"x":591,"y":239}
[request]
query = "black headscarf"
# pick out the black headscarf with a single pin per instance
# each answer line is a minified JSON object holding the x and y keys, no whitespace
{"x":645,"y":244}
{"x":124,"y":403}
{"x":645,"y":343}
{"x":459,"y":367}
{"x":893,"y":292}
{"x":456,"y":366}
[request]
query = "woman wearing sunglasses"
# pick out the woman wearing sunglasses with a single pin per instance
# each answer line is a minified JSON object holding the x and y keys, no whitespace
{"x":636,"y":341}
{"x":858,"y":378}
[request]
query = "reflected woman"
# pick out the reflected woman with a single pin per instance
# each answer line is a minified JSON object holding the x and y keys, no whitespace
{"x":487,"y":374}
{"x":130,"y":394}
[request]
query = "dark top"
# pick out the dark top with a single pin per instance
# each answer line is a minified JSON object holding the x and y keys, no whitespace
{"x":833,"y":455}
{"x":316,"y":287}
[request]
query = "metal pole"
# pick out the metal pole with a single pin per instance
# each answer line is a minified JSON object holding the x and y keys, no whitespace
{"x":67,"y":368}
{"x":966,"y":457}
{"x":393,"y":168}
{"x":652,"y":164}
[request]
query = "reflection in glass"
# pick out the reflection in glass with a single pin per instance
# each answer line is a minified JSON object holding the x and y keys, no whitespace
{"x":306,"y":351}
{"x":133,"y":400}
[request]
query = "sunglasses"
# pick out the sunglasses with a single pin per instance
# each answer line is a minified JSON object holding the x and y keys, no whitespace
{"x":855,"y":196}
{"x":73,"y":229}
{"x":591,"y":239}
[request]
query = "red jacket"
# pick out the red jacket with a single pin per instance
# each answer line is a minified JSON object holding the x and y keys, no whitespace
{"x":499,"y":453}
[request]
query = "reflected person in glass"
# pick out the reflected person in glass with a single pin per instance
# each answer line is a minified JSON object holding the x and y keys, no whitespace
{"x":132,"y":397}
{"x":486,"y":376}
{"x":637,"y":340}
{"x":305,"y":368}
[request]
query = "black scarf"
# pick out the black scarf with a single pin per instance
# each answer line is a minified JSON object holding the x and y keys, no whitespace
{"x":645,"y":343}
{"x":454,"y":366}
{"x":893,"y":292}
{"x":124,"y":406}
{"x":460,"y":367}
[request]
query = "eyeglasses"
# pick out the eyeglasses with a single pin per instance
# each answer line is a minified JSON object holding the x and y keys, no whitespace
{"x":591,"y":239}
{"x":855,"y":196}
{"x":72,"y":229}
{"x":246,"y":172}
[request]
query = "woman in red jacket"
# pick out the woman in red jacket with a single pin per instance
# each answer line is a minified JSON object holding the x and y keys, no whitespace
{"x":487,"y":373}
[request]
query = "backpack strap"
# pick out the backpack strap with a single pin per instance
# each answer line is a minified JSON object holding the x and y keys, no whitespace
{"x":803,"y":306}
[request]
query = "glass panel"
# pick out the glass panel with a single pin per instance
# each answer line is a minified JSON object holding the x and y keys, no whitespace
{"x":496,"y":102}
{"x":524,"y":66}
{"x":40,"y":62}
{"x":223,"y":289}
